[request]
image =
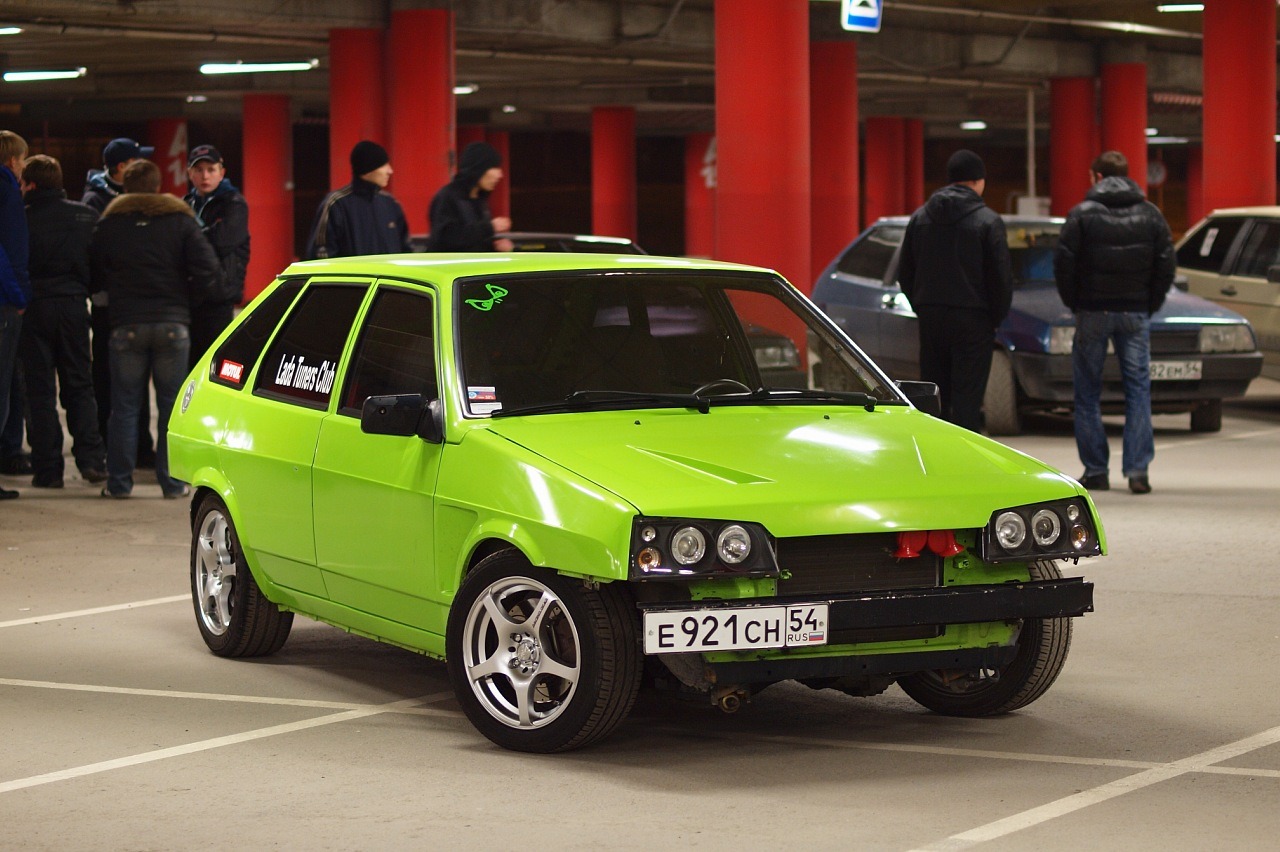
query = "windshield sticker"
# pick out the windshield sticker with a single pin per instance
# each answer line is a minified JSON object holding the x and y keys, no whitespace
{"x":231,"y":371}
{"x":495,"y":296}
{"x":483,"y":399}
{"x":295,"y":372}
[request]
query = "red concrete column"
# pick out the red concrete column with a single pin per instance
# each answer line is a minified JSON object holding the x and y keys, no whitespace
{"x":884,"y":183}
{"x":356,"y":94}
{"x":699,"y":195}
{"x":1239,"y":103}
{"x":420,"y":108}
{"x":1124,"y":115}
{"x":268,"y":187}
{"x":169,"y":137}
{"x":1195,"y":185}
{"x":833,"y":148}
{"x":613,"y":171}
{"x":1073,"y":112}
{"x":913,"y":163}
{"x":500,"y":198}
{"x":762,"y":136}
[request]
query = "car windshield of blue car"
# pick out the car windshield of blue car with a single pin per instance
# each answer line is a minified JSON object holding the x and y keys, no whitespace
{"x":554,"y":342}
{"x":1031,"y":249}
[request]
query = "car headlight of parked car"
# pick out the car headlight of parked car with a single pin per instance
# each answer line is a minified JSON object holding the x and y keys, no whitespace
{"x":682,"y":547}
{"x":1060,"y":337}
{"x":1062,"y":529}
{"x":1228,"y":337}
{"x":779,"y":355}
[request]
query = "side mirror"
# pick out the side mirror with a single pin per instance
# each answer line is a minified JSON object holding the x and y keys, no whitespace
{"x":403,"y":414}
{"x":1273,"y":273}
{"x":1180,"y":282}
{"x":923,"y":395}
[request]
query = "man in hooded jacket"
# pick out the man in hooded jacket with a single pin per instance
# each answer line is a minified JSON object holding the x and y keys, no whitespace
{"x":360,"y":218}
{"x":956,"y":271}
{"x":223,"y":215}
{"x":459,"y":212}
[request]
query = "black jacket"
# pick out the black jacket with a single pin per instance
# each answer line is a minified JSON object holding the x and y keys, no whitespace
{"x":99,"y":190}
{"x":1115,"y":252}
{"x":358,"y":219}
{"x":150,"y":256}
{"x":458,"y":221}
{"x":955,"y":255}
{"x":60,"y":233}
{"x":224,"y":217}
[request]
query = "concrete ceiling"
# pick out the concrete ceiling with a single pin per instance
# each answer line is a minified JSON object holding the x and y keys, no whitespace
{"x":941,"y":60}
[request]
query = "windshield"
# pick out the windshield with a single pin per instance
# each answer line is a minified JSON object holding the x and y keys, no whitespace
{"x":645,"y":338}
{"x":1031,"y":249}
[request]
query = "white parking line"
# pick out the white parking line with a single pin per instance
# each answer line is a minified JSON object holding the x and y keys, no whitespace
{"x":217,"y":742}
{"x":1163,"y":446}
{"x":203,"y":696}
{"x":59,"y":616}
{"x":1085,"y":798}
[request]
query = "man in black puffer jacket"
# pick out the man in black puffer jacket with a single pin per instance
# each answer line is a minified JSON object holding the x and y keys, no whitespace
{"x":54,"y":346}
{"x":150,"y":256}
{"x":1114,"y":265}
{"x":956,"y":272}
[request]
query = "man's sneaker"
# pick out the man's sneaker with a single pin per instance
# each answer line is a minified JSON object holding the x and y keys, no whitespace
{"x":47,"y":480}
{"x":178,"y":493}
{"x":122,"y":496}
{"x":8,"y":494}
{"x":1140,"y":484}
{"x":15,"y":465}
{"x":94,"y":475}
{"x":1098,"y":482}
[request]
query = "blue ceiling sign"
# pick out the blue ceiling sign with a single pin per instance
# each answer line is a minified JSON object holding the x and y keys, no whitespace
{"x":860,"y":15}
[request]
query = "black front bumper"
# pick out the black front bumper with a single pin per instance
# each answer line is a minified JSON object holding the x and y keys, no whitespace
{"x":1048,"y":378}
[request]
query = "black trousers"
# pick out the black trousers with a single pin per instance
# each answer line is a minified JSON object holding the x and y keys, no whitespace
{"x":956,"y":346}
{"x":101,"y":323}
{"x":54,"y":350}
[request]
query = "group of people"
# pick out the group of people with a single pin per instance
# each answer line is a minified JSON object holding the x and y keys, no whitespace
{"x":1113,"y":266}
{"x":163,"y":276}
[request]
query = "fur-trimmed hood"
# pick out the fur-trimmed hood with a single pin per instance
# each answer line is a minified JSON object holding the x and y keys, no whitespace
{"x":149,"y":204}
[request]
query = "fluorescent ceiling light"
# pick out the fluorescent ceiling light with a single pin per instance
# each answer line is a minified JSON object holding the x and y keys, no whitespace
{"x":508,"y":108}
{"x":973,"y":125}
{"x":197,"y":99}
{"x":256,"y":67}
{"x":32,"y":76}
{"x":1180,"y":7}
{"x":10,"y":30}
{"x":466,"y":89}
{"x":1167,"y":140}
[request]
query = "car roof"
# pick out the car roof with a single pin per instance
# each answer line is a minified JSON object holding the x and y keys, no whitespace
{"x":1265,"y":210}
{"x":441,"y":267}
{"x":1009,"y":218}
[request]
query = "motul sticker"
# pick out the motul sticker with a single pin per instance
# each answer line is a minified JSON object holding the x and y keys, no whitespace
{"x":231,"y":371}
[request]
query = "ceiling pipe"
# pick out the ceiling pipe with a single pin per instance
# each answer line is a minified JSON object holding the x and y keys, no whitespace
{"x":1084,"y":23}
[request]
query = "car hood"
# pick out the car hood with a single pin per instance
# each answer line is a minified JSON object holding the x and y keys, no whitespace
{"x":1041,"y":300}
{"x":799,"y":470}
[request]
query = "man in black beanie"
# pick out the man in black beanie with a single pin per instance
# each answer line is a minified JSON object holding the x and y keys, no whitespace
{"x":459,"y":212}
{"x":360,"y":218}
{"x":956,"y":271}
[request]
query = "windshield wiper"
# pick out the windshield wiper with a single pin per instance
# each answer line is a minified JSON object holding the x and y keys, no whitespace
{"x":591,"y":398}
{"x":866,"y":400}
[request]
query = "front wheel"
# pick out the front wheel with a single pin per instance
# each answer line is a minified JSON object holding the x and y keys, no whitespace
{"x":1041,"y":654}
{"x":1000,"y":403}
{"x":541,"y":662}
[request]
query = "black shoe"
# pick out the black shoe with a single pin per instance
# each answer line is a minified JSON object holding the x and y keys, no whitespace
{"x":94,"y":475}
{"x":47,"y":480}
{"x":1139,"y":484}
{"x":8,"y":494}
{"x":178,"y":493}
{"x":1096,"y":482}
{"x":15,"y":465}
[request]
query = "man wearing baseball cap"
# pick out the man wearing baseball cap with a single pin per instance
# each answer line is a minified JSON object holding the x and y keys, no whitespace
{"x":223,"y":215}
{"x":100,"y":186}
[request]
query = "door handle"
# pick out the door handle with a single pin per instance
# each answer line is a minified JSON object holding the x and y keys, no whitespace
{"x":1229,"y":290}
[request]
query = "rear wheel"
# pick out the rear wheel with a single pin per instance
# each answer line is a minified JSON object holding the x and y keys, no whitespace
{"x":1000,"y":404}
{"x":1042,"y":652}
{"x":1207,"y":417}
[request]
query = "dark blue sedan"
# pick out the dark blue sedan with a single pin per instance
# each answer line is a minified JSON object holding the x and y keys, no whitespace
{"x":1200,"y":352}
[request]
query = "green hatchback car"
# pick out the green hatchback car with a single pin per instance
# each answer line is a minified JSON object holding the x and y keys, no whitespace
{"x":567,"y":476}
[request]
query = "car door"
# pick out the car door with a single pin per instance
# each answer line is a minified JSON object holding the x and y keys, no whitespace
{"x":1247,"y":288}
{"x":374,"y":495}
{"x":1204,"y":253}
{"x":269,"y":440}
{"x":899,"y":327}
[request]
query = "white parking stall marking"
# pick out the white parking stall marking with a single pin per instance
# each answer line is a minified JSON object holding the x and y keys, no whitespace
{"x":217,"y":742}
{"x":59,"y":616}
{"x":1052,"y":810}
{"x":1163,"y":446}
{"x":169,"y":693}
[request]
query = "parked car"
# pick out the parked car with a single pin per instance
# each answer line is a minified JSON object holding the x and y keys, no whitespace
{"x":1232,"y":258}
{"x":564,"y":474}
{"x":1200,"y":353}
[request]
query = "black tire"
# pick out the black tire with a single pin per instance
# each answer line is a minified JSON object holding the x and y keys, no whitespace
{"x":1042,"y":652}
{"x":234,"y":617}
{"x":1207,"y":417}
{"x":1000,"y":403}
{"x":564,"y":684}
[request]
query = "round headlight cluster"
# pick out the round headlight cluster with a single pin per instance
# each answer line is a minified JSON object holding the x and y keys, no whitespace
{"x":688,"y":546}
{"x":1054,"y":529}
{"x":679,"y":547}
{"x":733,"y":545}
{"x":1045,"y":527}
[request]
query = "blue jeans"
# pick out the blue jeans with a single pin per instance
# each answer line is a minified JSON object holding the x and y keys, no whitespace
{"x":1131,"y":334}
{"x":155,"y":350}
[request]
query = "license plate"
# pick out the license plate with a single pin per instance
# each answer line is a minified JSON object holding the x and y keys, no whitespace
{"x":1176,"y":371}
{"x":735,"y":629}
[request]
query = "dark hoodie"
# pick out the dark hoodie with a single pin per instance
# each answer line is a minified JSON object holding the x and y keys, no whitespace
{"x":224,"y":217}
{"x":460,"y":222}
{"x":1115,"y":252}
{"x":358,"y":219}
{"x":99,"y":190}
{"x":955,"y":255}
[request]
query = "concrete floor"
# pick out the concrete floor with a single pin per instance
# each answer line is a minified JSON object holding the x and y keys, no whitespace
{"x":121,"y":731}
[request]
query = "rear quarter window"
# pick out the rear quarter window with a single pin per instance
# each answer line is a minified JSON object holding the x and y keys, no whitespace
{"x":302,"y":362}
{"x":1207,"y":247}
{"x":235,"y":358}
{"x":870,"y":256}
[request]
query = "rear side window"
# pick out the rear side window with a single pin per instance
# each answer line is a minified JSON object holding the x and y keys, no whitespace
{"x":869,"y":257}
{"x":1207,"y":248}
{"x":235,"y":358}
{"x":1260,"y":249}
{"x":302,"y":362}
{"x":396,"y":352}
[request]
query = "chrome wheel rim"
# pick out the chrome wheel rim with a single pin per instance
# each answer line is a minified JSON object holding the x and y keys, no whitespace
{"x":521,"y":653}
{"x":215,"y":573}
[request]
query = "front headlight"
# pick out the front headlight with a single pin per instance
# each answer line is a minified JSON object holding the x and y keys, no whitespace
{"x":681,"y":547}
{"x":782,"y":355}
{"x":1062,"y":529}
{"x":1228,"y":337}
{"x":1060,"y":337}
